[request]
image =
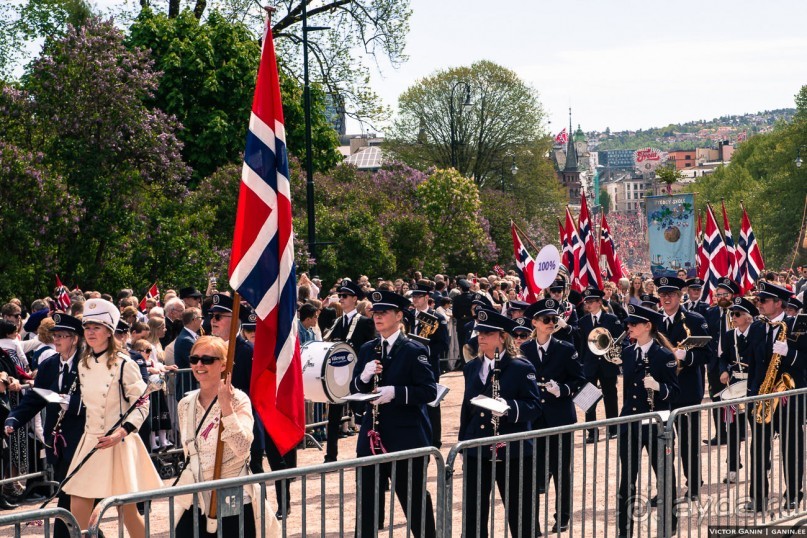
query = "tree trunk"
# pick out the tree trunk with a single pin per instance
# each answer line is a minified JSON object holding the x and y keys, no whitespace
{"x":199,"y":9}
{"x":173,"y":9}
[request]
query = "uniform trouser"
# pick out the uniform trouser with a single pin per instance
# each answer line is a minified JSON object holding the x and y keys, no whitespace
{"x":59,"y":474}
{"x":277,"y":463}
{"x":788,"y":420}
{"x":515,"y":490}
{"x":559,"y":467}
{"x":735,"y":424}
{"x":718,"y":417}
{"x":437,"y":425}
{"x":609,"y":399}
{"x":371,"y":495}
{"x":335,"y":413}
{"x":689,"y":435}
{"x":632,"y":439}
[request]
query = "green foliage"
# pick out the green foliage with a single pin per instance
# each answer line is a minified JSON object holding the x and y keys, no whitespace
{"x":669,"y":175}
{"x":605,"y":201}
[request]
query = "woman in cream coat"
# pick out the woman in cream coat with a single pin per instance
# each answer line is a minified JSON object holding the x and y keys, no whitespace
{"x":110,"y":383}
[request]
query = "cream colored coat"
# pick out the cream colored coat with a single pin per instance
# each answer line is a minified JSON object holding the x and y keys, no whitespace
{"x":125,"y":467}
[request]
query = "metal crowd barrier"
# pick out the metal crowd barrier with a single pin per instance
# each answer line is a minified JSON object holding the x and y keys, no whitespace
{"x":22,"y":456}
{"x":321,"y":510}
{"x":33,"y":518}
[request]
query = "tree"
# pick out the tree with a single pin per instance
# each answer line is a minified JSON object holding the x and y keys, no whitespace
{"x":605,"y":201}
{"x":433,"y":127}
{"x":207,"y":80}
{"x":669,"y":175}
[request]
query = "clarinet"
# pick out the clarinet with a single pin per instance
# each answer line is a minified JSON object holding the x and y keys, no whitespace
{"x":651,"y":394}
{"x":376,"y":447}
{"x":57,"y":428}
{"x":495,"y":390}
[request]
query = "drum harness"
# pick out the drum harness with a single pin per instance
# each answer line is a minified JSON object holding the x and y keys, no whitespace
{"x":730,"y":411}
{"x":353,"y":323}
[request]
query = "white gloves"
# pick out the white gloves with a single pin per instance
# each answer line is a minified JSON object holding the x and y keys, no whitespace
{"x":65,"y":401}
{"x":650,"y":383}
{"x":387,"y":393}
{"x":780,"y":348}
{"x":680,"y":354}
{"x":368,"y":372}
{"x":562,"y":323}
{"x":497,"y":414}
{"x":553,"y":388}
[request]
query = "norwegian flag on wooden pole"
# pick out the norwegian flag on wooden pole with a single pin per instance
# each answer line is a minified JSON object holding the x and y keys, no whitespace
{"x":62,"y":297}
{"x":262,"y":268}
{"x":574,"y":248}
{"x":562,"y":137}
{"x":587,"y":256}
{"x":530,"y":291}
{"x":715,"y":253}
{"x":608,"y":249}
{"x":733,"y":254}
{"x":751,"y":263}
{"x":566,"y":255}
{"x":152,"y":293}
{"x":700,"y":258}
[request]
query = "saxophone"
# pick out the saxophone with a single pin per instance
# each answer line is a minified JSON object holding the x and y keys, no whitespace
{"x":764,"y":409}
{"x":678,"y":366}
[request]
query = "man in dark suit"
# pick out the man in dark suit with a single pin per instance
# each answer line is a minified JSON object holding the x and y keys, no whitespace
{"x":568,"y":319}
{"x":398,"y":369}
{"x":719,"y":320}
{"x":461,"y":310}
{"x":518,"y":390}
{"x":596,"y":369}
{"x":438,"y":346}
{"x":57,"y":373}
{"x":559,"y":376}
{"x":677,"y":325}
{"x":356,"y":330}
{"x":694,"y":287}
{"x":191,"y":323}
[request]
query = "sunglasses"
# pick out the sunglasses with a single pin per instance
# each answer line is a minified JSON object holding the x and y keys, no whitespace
{"x":219,"y":317}
{"x":521,"y":336}
{"x":736,"y":313}
{"x":207,"y":360}
{"x":343,"y":295}
{"x":146,"y":351}
{"x":548,"y":320}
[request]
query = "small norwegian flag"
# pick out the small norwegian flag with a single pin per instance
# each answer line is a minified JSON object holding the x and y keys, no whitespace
{"x":751,"y":262}
{"x":62,"y":297}
{"x":716,"y":254}
{"x":152,"y":293}
{"x":733,"y":254}
{"x":530,"y":291}
{"x":562,"y":137}
{"x":498,"y":270}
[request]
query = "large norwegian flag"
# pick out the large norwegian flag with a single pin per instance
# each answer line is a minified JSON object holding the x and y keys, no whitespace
{"x":566,"y":255}
{"x":262,"y":266}
{"x":700,"y":258}
{"x":608,"y":249}
{"x":751,"y":262}
{"x":562,"y":137}
{"x":152,"y":293}
{"x":574,"y":246}
{"x":62,"y":297}
{"x":587,"y":255}
{"x":733,"y":253}
{"x":530,"y":291}
{"x":714,"y":249}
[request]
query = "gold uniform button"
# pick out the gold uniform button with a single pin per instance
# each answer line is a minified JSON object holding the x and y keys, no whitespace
{"x":543,"y":401}
{"x":482,"y":414}
{"x":634,"y":396}
{"x":482,"y":427}
{"x":634,"y":409}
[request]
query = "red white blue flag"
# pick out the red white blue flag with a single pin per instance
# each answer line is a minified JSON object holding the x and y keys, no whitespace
{"x":587,"y":256}
{"x":530,"y":291}
{"x":613,"y":264}
{"x":562,"y":137}
{"x":751,"y":262}
{"x":715,"y":254}
{"x":574,"y":246}
{"x":733,"y":254}
{"x":262,"y":266}
{"x":152,"y":293}
{"x":62,"y":297}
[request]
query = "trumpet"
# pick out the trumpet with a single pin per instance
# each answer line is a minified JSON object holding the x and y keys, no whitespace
{"x":428,"y":324}
{"x":601,"y":343}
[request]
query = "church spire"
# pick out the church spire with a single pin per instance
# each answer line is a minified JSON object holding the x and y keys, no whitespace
{"x":571,"y":152}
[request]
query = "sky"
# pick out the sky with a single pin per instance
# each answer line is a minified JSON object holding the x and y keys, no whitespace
{"x":623,"y":64}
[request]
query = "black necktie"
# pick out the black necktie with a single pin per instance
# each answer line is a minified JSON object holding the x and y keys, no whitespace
{"x":667,"y":323}
{"x":385,"y":351}
{"x":344,"y":323}
{"x":540,"y":354}
{"x":638,"y":355}
{"x":769,"y":338}
{"x":63,"y":385}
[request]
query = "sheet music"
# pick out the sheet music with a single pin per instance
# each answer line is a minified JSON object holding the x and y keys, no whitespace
{"x":362,"y":397}
{"x":48,"y":395}
{"x":589,"y":395}
{"x":442,"y":390}
{"x":486,"y":402}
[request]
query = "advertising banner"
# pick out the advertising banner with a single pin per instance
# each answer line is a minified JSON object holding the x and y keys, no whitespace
{"x":671,"y":234}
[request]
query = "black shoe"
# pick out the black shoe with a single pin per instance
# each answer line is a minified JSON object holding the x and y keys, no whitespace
{"x":612,"y":435}
{"x":717,"y":440}
{"x":5,"y":505}
{"x":654,"y":501}
{"x":281,"y":516}
{"x":329,"y":459}
{"x":540,"y":490}
{"x":563,"y":528}
{"x":591,"y":439}
{"x":750,"y":507}
{"x":35,"y":498}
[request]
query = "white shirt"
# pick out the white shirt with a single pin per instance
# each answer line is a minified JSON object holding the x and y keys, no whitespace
{"x":487,"y":367}
{"x":595,"y":318}
{"x":193,"y":334}
{"x":542,"y":348}
{"x":390,"y":340}
{"x":62,"y":363}
{"x":645,"y":348}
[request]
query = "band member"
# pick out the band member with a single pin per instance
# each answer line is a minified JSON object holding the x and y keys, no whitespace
{"x":559,"y":376}
{"x":438,"y":346}
{"x":719,"y":320}
{"x":515,"y":309}
{"x":789,"y":415}
{"x":515,"y":380}
{"x":650,"y":384}
{"x":678,"y":324}
{"x":694,"y":303}
{"x":596,"y":369}
{"x":567,"y":315}
{"x":63,"y":425}
{"x":470,"y":350}
{"x":398,"y":369}
{"x":650,"y":301}
{"x":356,"y":330}
{"x":611,"y":303}
{"x":793,"y":307}
{"x":742,"y":347}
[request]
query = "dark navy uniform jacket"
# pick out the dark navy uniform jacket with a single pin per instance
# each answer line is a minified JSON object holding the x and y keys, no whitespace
{"x":661,"y":365}
{"x":561,"y":364}
{"x":72,"y":426}
{"x":794,"y":363}
{"x":750,"y":351}
{"x":699,"y":307}
{"x":570,"y":332}
{"x":517,"y":386}
{"x":590,"y":360}
{"x":690,"y":379}
{"x":242,"y":374}
{"x":439,"y":342}
{"x":713,"y":318}
{"x":403,"y":423}
{"x":363,"y":333}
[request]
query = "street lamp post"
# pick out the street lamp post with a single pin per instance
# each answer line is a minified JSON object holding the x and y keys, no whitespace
{"x":466,"y":105}
{"x":309,"y":161}
{"x":798,"y":161}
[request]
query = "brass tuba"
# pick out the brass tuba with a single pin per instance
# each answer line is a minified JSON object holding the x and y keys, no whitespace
{"x":773,"y":383}
{"x":601,"y":343}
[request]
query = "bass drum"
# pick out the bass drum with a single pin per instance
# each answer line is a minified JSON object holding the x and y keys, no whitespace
{"x":327,"y":371}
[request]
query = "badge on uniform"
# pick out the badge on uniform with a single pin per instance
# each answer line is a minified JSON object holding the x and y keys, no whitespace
{"x":424,"y":359}
{"x":376,"y":296}
{"x":672,"y":364}
{"x":531,"y":377}
{"x":550,"y":303}
{"x":482,"y":316}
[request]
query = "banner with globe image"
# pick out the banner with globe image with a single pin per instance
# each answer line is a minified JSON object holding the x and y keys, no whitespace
{"x":671,"y":234}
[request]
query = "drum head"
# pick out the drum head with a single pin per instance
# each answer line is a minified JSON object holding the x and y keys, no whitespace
{"x":735,"y":390}
{"x":339,"y":364}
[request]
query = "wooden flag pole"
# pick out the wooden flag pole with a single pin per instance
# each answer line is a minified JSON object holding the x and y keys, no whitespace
{"x":526,"y":237}
{"x":231,"y":345}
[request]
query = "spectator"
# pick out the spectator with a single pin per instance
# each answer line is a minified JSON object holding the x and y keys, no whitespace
{"x":309,"y":316}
